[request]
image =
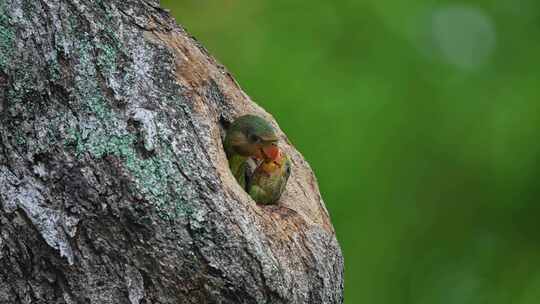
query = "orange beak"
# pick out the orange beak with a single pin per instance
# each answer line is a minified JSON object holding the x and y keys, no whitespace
{"x":271,"y":152}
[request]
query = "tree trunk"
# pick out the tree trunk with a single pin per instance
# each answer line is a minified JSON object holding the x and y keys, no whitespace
{"x":114,"y":186}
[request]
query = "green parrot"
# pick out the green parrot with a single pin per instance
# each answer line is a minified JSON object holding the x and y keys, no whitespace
{"x":249,"y":136}
{"x":269,"y":179}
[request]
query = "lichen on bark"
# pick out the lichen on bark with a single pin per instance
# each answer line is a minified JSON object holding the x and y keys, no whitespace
{"x":6,"y":36}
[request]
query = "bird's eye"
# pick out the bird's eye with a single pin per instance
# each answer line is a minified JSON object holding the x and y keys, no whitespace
{"x":254,"y":138}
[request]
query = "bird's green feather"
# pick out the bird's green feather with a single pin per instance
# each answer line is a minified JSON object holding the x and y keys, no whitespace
{"x":238,"y":166}
{"x":238,"y":146}
{"x":267,"y":187}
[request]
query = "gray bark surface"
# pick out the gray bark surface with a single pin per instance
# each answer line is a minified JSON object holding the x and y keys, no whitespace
{"x":114,"y":186}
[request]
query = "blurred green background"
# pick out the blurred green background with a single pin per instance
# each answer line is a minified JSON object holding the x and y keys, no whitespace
{"x":420,"y":119}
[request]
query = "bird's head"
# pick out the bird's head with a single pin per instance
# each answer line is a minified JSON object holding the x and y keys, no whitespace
{"x":252,"y":136}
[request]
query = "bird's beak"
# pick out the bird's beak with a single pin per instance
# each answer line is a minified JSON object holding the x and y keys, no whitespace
{"x":271,"y":152}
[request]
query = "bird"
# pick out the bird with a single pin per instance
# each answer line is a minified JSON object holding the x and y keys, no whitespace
{"x":268,"y":181}
{"x":249,"y":136}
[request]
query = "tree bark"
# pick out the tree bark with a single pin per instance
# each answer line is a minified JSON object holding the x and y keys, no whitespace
{"x":114,"y":186}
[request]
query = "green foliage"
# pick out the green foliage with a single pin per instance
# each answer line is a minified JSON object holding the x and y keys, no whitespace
{"x":421,"y":121}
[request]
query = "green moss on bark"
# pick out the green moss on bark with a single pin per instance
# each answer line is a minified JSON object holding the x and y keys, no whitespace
{"x":91,"y":66}
{"x":7,"y":35}
{"x":156,"y":178}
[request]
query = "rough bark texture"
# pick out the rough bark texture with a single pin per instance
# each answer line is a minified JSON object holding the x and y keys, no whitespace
{"x":114,"y":187}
